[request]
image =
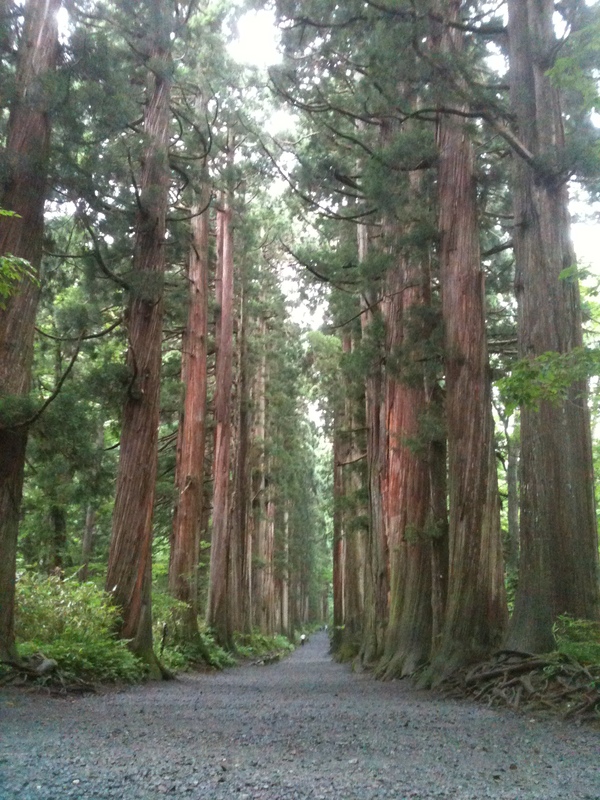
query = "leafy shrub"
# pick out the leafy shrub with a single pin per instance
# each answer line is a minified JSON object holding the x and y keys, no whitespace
{"x":176,"y":654}
{"x":578,"y":638}
{"x":72,"y":623}
{"x":259,"y":644}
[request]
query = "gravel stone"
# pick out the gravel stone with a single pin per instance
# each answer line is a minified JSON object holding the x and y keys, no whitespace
{"x":301,"y":729}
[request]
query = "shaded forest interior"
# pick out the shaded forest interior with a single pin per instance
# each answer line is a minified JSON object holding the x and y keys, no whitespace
{"x":418,"y":473}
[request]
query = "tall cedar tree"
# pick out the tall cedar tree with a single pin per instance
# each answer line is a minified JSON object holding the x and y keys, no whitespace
{"x":241,"y":541}
{"x":189,"y":471}
{"x":349,"y":464}
{"x":219,"y":612}
{"x":409,"y":631}
{"x":476,"y":609}
{"x":377,"y":572}
{"x":129,"y":574}
{"x":259,"y":484}
{"x":23,"y":191}
{"x":558,"y":571}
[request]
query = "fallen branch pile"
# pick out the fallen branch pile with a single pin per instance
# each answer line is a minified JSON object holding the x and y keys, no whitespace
{"x":521,"y":681}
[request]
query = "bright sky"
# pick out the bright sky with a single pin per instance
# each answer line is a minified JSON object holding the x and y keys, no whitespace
{"x":258,"y":40}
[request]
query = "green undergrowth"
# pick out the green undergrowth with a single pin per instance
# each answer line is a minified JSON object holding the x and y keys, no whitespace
{"x":579,"y":639}
{"x":257,"y":645}
{"x":72,"y":623}
{"x":174,"y":650}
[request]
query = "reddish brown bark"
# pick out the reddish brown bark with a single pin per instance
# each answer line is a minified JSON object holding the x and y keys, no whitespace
{"x":129,"y":565}
{"x":476,"y":610}
{"x":189,"y":472}
{"x":409,"y":631}
{"x":558,"y":568}
{"x":23,"y":191}
{"x":219,"y":617}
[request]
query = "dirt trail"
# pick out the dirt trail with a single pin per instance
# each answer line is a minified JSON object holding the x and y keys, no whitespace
{"x":302,"y":728}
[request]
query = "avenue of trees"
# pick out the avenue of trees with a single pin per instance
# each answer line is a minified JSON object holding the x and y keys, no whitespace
{"x":156,"y":394}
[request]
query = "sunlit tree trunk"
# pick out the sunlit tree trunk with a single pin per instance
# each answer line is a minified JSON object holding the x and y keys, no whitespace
{"x":476,"y":610}
{"x":129,"y":574}
{"x":24,"y":189}
{"x":558,"y":567}
{"x":189,"y":471}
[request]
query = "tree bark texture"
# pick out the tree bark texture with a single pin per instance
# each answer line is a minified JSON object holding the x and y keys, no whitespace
{"x":408,"y":635}
{"x":377,"y":577}
{"x":129,"y":564}
{"x":339,"y":615}
{"x":23,"y":191}
{"x":558,"y":567}
{"x":189,"y":471}
{"x":219,"y":617}
{"x":352,"y":515}
{"x":241,"y":537}
{"x":476,"y":608}
{"x":259,"y":487}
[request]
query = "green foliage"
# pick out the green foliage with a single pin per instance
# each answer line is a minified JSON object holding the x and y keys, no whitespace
{"x":168,"y":615}
{"x":72,"y":623}
{"x":12,"y":269}
{"x":578,"y":638}
{"x":548,"y":377}
{"x":258,"y":644}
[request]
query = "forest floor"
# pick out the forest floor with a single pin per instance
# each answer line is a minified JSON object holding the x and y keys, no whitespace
{"x":305,"y":727}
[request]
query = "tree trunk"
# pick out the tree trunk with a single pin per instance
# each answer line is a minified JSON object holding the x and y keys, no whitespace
{"x":350,"y":463}
{"x":129,"y":572}
{"x":269,"y":572}
{"x":408,"y":636}
{"x":476,"y":609}
{"x":285,"y":577}
{"x":338,"y":538}
{"x":558,"y":567}
{"x":218,"y":606}
{"x":24,"y":192}
{"x":377,"y":579}
{"x":189,"y":472}
{"x":259,"y":487}
{"x":241,"y":539}
{"x":58,"y":542}
{"x":87,"y":545}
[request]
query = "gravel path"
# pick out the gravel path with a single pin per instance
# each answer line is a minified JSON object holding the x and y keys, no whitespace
{"x":302,"y":728}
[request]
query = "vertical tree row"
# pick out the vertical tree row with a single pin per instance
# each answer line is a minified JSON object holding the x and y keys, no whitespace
{"x":559,"y":543}
{"x":140,"y":257}
{"x":432,"y":472}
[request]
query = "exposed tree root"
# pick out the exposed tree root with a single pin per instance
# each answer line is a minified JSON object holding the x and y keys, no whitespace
{"x":41,"y":672}
{"x":522,"y":681}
